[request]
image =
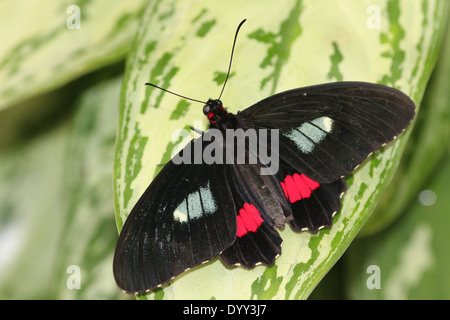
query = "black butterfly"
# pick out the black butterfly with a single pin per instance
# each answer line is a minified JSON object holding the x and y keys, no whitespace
{"x":192,"y":213}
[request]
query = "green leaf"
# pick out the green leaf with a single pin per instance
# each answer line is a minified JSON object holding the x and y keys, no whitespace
{"x":41,"y":50}
{"x":411,"y":256}
{"x":88,"y":230}
{"x":57,"y":208}
{"x":424,"y":150}
{"x":412,"y":253}
{"x":31,"y":199}
{"x":280,"y":47}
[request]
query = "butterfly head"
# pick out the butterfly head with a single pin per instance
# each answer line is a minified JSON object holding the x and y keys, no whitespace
{"x":214,"y":110}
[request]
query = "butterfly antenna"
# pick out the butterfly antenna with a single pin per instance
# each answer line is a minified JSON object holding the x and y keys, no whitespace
{"x":175,"y":94}
{"x":196,"y":130}
{"x":231,"y":59}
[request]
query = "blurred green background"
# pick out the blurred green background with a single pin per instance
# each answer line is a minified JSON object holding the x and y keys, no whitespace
{"x":59,"y":103}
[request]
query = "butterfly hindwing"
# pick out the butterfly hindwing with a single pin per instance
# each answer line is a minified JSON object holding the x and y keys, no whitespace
{"x":261,"y":246}
{"x":184,"y":218}
{"x":313,"y":204}
{"x":327,"y":130}
{"x":260,"y":207}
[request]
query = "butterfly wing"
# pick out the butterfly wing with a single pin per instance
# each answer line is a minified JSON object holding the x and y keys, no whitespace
{"x":265,"y":202}
{"x":327,"y":130}
{"x":184,"y":218}
{"x":313,"y":204}
{"x":260,"y":207}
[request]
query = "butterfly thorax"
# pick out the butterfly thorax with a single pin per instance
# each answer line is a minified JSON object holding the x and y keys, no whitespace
{"x":218,"y":116}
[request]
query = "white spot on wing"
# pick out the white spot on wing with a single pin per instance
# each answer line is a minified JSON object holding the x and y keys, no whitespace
{"x":209,"y":205}
{"x":327,"y":124}
{"x":195,"y":205}
{"x":308,"y":134}
{"x":181,"y":215}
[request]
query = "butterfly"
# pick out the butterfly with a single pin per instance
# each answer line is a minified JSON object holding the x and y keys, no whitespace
{"x":194,"y":211}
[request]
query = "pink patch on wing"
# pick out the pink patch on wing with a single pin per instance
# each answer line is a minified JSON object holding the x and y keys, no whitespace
{"x":248,"y":220}
{"x":298,"y":186}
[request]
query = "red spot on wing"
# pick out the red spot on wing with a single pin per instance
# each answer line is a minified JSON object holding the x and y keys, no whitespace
{"x":248,"y":220}
{"x":298,"y":186}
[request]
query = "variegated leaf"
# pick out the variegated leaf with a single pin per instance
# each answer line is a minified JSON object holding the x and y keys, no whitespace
{"x":185,"y":47}
{"x":47,"y":44}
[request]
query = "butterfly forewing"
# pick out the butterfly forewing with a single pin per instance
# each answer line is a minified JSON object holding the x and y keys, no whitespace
{"x":327,"y":130}
{"x":184,"y":218}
